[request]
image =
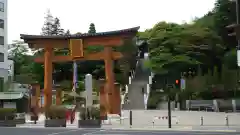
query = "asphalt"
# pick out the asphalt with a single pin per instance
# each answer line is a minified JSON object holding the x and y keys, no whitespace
{"x":62,"y":131}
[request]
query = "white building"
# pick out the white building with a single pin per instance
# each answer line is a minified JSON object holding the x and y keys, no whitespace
{"x":4,"y":62}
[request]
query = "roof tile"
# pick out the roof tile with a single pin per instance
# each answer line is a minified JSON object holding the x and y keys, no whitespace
{"x":85,"y":35}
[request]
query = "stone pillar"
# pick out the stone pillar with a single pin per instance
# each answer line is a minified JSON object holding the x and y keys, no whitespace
{"x":109,"y":74}
{"x":35,"y":95}
{"x":48,"y":77}
{"x":130,"y":80}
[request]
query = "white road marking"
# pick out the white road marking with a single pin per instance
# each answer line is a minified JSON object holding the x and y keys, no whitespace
{"x":57,"y":133}
{"x":90,"y":133}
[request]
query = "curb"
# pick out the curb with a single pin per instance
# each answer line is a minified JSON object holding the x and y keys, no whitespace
{"x":189,"y":129}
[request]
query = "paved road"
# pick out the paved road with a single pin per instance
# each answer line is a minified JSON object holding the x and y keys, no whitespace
{"x":62,"y":131}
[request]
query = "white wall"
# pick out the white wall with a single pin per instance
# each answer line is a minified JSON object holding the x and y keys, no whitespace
{"x":4,"y":66}
{"x":4,"y":32}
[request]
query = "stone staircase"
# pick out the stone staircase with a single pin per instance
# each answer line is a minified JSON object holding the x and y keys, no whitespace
{"x":137,"y":83}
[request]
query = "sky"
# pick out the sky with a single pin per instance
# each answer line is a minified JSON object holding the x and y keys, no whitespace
{"x":27,"y":16}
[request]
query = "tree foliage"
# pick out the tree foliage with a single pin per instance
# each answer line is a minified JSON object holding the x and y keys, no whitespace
{"x":204,"y":43}
{"x":48,"y":24}
{"x":23,"y":66}
{"x":175,"y":48}
{"x":92,"y":29}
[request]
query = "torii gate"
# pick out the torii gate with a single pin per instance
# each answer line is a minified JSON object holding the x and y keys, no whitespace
{"x":77,"y":43}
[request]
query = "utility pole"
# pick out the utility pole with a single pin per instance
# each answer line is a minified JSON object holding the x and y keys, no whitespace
{"x":169,"y":87}
{"x":169,"y":112}
{"x":238,"y":19}
{"x":236,"y":29}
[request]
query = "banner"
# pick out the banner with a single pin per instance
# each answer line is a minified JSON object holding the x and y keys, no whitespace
{"x":75,"y":79}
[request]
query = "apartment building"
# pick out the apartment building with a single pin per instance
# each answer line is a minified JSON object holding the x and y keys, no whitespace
{"x":4,"y":62}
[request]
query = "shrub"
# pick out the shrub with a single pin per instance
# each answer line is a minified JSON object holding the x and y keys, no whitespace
{"x":95,"y":113}
{"x":56,"y":112}
{"x":91,"y":113}
{"x":82,"y":114}
{"x":7,"y":113}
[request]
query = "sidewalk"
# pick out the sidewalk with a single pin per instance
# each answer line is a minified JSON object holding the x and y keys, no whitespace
{"x":41,"y":125}
{"x":177,"y":128}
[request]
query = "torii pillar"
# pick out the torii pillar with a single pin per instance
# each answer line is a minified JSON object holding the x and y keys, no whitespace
{"x":48,"y":77}
{"x":109,"y":77}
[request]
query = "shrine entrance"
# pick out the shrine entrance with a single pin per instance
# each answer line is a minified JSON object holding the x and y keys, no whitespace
{"x":76,"y":43}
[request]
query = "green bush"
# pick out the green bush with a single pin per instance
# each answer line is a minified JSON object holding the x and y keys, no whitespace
{"x":56,"y":112}
{"x":153,"y":100}
{"x":95,"y":113}
{"x":91,"y":113}
{"x":82,"y":114}
{"x":7,"y":113}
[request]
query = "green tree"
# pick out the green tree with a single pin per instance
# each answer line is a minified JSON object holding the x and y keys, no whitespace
{"x":18,"y":53}
{"x":92,"y":28}
{"x":67,"y":32}
{"x":47,"y":28}
{"x":56,"y":27}
{"x":52,"y":26}
{"x":230,"y":59}
{"x":23,"y":66}
{"x":166,"y":53}
{"x":224,"y":15}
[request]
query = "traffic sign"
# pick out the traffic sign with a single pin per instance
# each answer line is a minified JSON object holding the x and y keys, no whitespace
{"x":183,"y":84}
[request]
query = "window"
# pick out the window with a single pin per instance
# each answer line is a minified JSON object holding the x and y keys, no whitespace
{"x":1,"y":40}
{"x":1,"y":84}
{"x":1,"y":57}
{"x":1,"y":6}
{"x":1,"y":23}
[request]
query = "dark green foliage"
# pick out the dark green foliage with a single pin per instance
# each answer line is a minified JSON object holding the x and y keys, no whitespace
{"x":224,"y":14}
{"x":92,"y":28}
{"x":56,"y":112}
{"x":67,"y":32}
{"x":175,"y":48}
{"x":7,"y":113}
{"x":48,"y":24}
{"x":91,"y":113}
{"x":56,"y":27}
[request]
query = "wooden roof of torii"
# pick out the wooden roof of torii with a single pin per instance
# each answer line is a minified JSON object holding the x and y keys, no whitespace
{"x":112,"y":37}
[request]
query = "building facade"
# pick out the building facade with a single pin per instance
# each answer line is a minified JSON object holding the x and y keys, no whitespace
{"x":4,"y":62}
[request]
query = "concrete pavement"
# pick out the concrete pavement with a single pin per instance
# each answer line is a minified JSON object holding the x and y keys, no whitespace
{"x":181,"y":118}
{"x":64,"y":131}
